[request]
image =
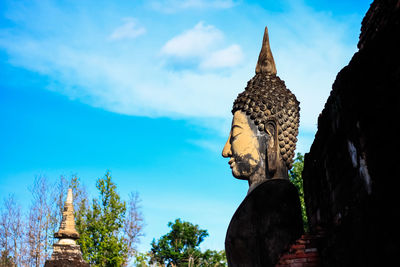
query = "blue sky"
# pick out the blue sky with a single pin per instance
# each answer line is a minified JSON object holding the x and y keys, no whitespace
{"x":145,"y":88}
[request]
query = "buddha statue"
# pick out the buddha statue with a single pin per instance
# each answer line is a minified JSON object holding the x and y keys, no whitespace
{"x":265,"y":123}
{"x":261,"y":147}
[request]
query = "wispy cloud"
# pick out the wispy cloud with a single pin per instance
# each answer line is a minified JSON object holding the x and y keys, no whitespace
{"x":202,"y":43}
{"x":227,"y":57}
{"x":171,"y":6}
{"x":195,"y":42}
{"x":211,"y":145}
{"x":309,"y":49}
{"x":128,"y":30}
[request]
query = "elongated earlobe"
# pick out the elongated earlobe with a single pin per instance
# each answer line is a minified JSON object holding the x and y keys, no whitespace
{"x":271,"y":148}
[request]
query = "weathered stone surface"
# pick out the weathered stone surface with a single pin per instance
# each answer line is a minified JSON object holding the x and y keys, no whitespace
{"x":272,"y":108}
{"x":350,"y":177}
{"x":66,"y":253}
{"x":66,"y":256}
{"x":65,"y":263}
{"x":266,"y":62}
{"x":265,"y":224}
{"x":67,"y":227}
{"x":272,"y":114}
{"x":261,"y":147}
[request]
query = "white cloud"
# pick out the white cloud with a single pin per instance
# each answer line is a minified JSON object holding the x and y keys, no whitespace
{"x":194,"y":42}
{"x":202,"y":43}
{"x":309,"y":49}
{"x":213,"y":145}
{"x":227,"y":57}
{"x":129,"y":30}
{"x":171,"y":6}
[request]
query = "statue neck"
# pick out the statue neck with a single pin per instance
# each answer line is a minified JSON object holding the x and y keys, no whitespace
{"x":281,"y":171}
{"x":261,"y":175}
{"x":257,"y":178}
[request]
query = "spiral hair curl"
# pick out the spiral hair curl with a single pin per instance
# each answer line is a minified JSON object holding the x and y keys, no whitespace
{"x":267,"y":99}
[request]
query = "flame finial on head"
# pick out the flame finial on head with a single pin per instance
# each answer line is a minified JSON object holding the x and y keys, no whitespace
{"x":266,"y":63}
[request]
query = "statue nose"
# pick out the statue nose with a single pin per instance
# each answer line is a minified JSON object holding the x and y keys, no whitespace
{"x":227,"y":152}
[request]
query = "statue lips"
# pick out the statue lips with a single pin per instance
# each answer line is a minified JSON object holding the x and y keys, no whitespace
{"x":243,"y":166}
{"x":231,"y":162}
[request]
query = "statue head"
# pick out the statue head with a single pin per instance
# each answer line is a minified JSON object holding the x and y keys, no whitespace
{"x":265,"y":124}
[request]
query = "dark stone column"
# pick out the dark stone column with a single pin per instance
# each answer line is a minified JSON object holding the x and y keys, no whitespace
{"x":351,"y":183}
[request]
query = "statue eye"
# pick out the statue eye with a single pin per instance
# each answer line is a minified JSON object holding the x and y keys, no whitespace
{"x":235,"y":136}
{"x":236,"y":132}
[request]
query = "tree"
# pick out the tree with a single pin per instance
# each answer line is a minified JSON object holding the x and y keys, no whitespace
{"x":58,"y":195}
{"x":11,"y":233}
{"x":213,"y":258}
{"x":141,"y":259}
{"x":295,"y":176}
{"x":80,"y":196}
{"x":180,"y":247}
{"x":6,"y":260}
{"x":109,"y":232}
{"x":40,"y":235}
{"x":100,"y":228}
{"x":133,"y":224}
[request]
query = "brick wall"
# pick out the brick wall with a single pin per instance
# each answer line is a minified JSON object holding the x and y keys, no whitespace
{"x":303,"y":253}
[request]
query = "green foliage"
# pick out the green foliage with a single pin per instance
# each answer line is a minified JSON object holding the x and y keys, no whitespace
{"x":295,"y":176}
{"x":213,"y":258}
{"x":142,"y":259}
{"x":109,"y":228}
{"x":101,"y":226}
{"x":79,"y":195}
{"x":180,"y":247}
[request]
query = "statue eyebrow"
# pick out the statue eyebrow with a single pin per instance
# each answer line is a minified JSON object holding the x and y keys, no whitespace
{"x":235,"y":125}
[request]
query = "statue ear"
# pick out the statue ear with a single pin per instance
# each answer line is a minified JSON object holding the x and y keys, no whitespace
{"x":272,"y":147}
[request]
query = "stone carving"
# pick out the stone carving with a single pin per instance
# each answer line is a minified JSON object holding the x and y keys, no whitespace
{"x":265,"y":124}
{"x":261,"y":148}
{"x":66,"y":252}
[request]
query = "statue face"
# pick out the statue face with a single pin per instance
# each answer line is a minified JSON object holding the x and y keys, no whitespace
{"x":242,"y":148}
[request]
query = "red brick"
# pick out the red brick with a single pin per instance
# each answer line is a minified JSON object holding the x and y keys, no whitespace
{"x":288,"y":256}
{"x":301,"y":255}
{"x":298,"y":247}
{"x":300,"y":260}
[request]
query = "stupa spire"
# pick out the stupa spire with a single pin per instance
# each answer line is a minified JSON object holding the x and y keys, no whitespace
{"x":66,"y":252}
{"x":69,"y":196}
{"x":67,"y":232}
{"x":266,"y":63}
